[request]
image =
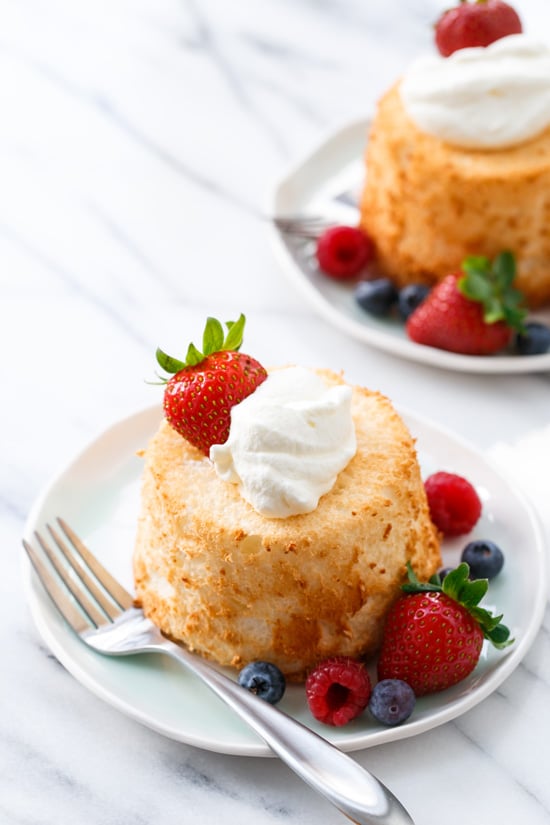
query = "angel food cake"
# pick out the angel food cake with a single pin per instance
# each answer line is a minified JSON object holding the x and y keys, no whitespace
{"x":289,"y":541}
{"x":458,"y":164}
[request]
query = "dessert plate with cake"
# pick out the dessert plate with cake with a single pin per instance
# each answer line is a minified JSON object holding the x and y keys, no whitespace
{"x":454,"y":163}
{"x":107,"y":490}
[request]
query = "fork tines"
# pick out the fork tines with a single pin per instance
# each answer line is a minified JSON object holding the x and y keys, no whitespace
{"x":304,"y":226}
{"x":84,"y":592}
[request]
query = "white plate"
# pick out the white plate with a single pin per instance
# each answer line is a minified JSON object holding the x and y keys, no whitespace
{"x":328,"y":183}
{"x":98,"y":494}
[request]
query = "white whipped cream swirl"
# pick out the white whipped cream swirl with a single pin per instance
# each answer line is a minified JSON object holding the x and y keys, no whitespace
{"x":287,"y":443}
{"x":484,"y":97}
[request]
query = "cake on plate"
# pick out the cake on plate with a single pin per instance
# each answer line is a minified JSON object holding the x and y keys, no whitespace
{"x":237,"y":585}
{"x":458,"y":164}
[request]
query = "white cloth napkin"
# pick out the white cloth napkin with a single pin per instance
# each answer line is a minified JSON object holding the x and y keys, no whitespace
{"x":527,"y":464}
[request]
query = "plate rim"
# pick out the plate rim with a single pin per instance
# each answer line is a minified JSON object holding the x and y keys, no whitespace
{"x":409,"y":350}
{"x":354,"y":742}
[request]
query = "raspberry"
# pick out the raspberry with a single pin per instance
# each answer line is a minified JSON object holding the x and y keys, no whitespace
{"x":454,"y":505}
{"x":342,"y":251}
{"x":338,"y":690}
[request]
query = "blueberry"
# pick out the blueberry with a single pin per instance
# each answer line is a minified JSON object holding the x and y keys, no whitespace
{"x":264,"y":679}
{"x":410,"y":297}
{"x":484,"y":557}
{"x":535,"y":340}
{"x":377,"y":297}
{"x":392,"y":701}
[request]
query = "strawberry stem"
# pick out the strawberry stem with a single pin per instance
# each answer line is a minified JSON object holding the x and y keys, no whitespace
{"x":214,"y":339}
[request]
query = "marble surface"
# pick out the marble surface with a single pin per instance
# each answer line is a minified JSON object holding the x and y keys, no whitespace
{"x":139,"y":143}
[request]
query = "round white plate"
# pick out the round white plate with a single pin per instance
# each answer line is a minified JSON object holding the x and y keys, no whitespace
{"x":98,"y":494}
{"x":328,"y":183}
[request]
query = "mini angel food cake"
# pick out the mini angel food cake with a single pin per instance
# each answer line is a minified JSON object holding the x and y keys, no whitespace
{"x":458,"y":164}
{"x":226,"y":568}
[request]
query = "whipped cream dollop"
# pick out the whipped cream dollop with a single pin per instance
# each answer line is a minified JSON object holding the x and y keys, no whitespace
{"x":483,"y":97}
{"x":287,"y":443}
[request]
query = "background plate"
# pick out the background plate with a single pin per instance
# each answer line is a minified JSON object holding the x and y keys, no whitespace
{"x":328,"y":183}
{"x":98,"y":494}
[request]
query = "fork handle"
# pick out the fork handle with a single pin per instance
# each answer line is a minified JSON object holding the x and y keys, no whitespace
{"x":349,"y":787}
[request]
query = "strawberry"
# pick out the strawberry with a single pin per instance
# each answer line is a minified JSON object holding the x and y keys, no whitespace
{"x":475,"y":24}
{"x":434,"y":632}
{"x":202,"y":390}
{"x":474,"y":312}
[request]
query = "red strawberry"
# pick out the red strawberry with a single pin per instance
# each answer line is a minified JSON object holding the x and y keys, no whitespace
{"x":434,"y":633}
{"x":202,"y":390}
{"x":474,"y":312}
{"x":475,"y":24}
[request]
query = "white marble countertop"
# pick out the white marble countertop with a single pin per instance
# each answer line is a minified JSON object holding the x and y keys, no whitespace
{"x":139,"y":142}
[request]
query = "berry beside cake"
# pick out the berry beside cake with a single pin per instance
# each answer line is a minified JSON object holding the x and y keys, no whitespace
{"x":458,"y":161}
{"x":287,"y":537}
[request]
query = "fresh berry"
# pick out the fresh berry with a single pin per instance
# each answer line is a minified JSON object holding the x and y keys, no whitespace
{"x":264,"y":679}
{"x":455,"y":507}
{"x":410,"y":297}
{"x":485,"y":559}
{"x":534,"y":340}
{"x":392,"y":701}
{"x":377,"y":297}
{"x":202,"y":390}
{"x":434,"y":633}
{"x":343,"y":251}
{"x":475,"y":24}
{"x":474,"y":312}
{"x":338,"y":690}
{"x":444,"y":572}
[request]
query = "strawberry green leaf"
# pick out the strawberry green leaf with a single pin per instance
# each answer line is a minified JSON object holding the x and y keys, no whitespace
{"x":515,"y":318}
{"x":169,"y":364}
{"x":476,"y":286}
{"x":212,"y":338}
{"x":414,"y":585}
{"x":234,"y":337}
{"x":454,"y":582}
{"x":500,"y":636}
{"x":472,"y":592}
{"x":193,"y":356}
{"x":493,"y":310}
{"x":486,"y":619}
{"x":493,"y":630}
{"x":504,"y":268}
{"x":490,"y":284}
{"x":475,"y":263}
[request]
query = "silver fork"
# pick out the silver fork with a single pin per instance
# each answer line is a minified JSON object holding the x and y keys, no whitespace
{"x":302,"y":226}
{"x":105,"y":617}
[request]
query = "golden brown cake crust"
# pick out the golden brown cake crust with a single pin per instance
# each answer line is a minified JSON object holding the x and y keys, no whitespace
{"x":428,"y":205}
{"x":236,"y":586}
